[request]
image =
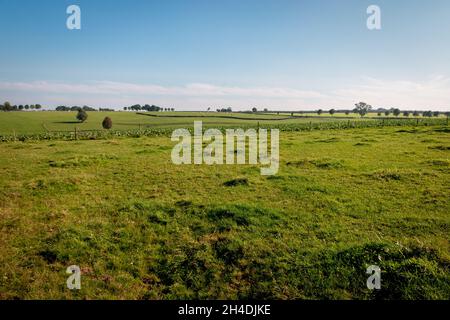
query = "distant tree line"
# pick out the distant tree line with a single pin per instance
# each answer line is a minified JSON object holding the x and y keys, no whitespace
{"x":363,"y":108}
{"x":7,"y":106}
{"x":138,"y":107}
{"x":84,"y":108}
{"x":224,"y":110}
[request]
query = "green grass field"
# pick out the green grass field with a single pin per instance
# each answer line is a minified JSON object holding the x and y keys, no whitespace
{"x":141,"y":227}
{"x":39,"y":122}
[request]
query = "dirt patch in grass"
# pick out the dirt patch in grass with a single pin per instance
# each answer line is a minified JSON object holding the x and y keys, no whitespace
{"x":327,"y":164}
{"x":328,"y":140}
{"x":439,"y":162}
{"x":236,"y":182}
{"x":386,"y":175}
{"x":324,"y":163}
{"x":408,"y":131}
{"x":445,"y":129}
{"x":440,"y":147}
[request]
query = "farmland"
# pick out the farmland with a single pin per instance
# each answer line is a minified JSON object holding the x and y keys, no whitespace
{"x":40,"y":122}
{"x":141,"y":227}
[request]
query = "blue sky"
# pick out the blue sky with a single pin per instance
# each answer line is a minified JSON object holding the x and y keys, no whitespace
{"x":193,"y":54}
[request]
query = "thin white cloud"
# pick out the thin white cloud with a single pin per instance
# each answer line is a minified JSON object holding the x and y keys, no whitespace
{"x":433,"y":93}
{"x":120,"y":88}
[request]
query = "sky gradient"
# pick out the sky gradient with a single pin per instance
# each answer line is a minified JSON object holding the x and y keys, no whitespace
{"x":195,"y":54}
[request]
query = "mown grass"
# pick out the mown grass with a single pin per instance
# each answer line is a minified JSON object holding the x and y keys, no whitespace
{"x":142,"y":228}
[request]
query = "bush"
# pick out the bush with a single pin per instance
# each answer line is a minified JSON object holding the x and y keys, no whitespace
{"x":82,"y":115}
{"x":107,"y":123}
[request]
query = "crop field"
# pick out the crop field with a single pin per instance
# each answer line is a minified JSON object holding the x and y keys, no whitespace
{"x":141,"y":227}
{"x":40,"y":122}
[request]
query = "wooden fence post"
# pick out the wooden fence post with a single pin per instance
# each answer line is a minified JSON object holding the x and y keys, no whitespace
{"x":76,"y":136}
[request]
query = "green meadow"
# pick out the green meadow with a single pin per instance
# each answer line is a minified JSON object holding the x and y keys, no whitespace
{"x":54,"y":121}
{"x":141,"y":227}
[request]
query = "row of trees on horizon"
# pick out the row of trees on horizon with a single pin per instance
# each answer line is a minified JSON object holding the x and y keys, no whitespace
{"x":84,"y":108}
{"x":361,"y":108}
{"x":9,"y":107}
{"x":146,"y":107}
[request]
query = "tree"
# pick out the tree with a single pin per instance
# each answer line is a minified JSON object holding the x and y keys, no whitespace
{"x":347,"y":112}
{"x":405,"y":113}
{"x":319,"y":112}
{"x":396,"y":112}
{"x":266,"y":110}
{"x":20,"y":107}
{"x":82,"y":115}
{"x":38,"y":106}
{"x":387,"y":113}
{"x":27,"y":107}
{"x":125,"y":108}
{"x":254,"y":109}
{"x":107,"y":123}
{"x":7,"y":106}
{"x":416,"y":113}
{"x":61,"y":108}
{"x":332,"y":111}
{"x":436,"y":114}
{"x":87,"y":108}
{"x":138,"y":107}
{"x":362,"y":108}
{"x":379,"y":114}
